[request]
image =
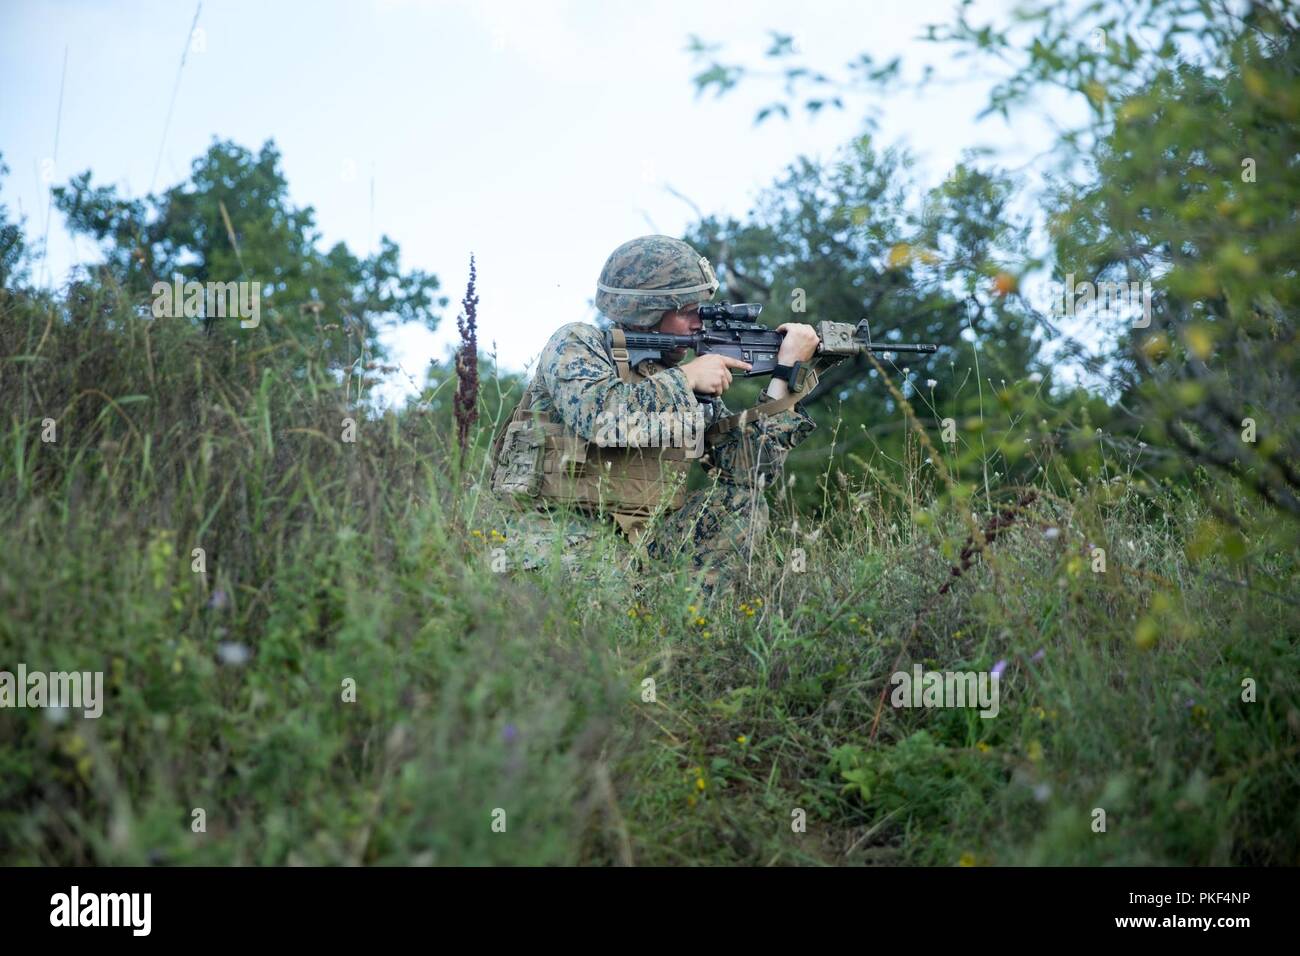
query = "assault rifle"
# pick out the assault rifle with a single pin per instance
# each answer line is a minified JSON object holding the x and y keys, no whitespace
{"x":731,"y":330}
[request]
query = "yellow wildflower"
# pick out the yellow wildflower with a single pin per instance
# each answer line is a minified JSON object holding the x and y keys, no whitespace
{"x":967,"y":859}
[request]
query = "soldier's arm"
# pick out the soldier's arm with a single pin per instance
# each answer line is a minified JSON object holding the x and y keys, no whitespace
{"x":587,"y":393}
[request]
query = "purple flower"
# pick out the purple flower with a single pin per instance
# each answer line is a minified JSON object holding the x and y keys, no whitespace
{"x":998,"y":668}
{"x":1039,"y":655}
{"x":465,"y":401}
{"x":509,"y":732}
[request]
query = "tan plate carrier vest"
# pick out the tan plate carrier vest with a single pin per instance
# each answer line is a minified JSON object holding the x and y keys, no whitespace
{"x":538,"y":462}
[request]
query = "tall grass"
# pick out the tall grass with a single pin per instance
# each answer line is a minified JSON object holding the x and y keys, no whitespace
{"x":477,"y":692}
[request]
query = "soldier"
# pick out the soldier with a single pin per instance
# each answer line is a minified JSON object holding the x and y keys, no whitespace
{"x":567,"y":464}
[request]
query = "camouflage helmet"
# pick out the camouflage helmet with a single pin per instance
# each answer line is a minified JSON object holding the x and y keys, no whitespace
{"x":645,"y":277}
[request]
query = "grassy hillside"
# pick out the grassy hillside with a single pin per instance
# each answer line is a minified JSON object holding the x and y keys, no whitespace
{"x":329,"y":561}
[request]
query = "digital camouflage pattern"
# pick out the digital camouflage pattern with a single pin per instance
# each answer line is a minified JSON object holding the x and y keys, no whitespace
{"x":577,"y":382}
{"x":718,"y":530}
{"x":645,"y":277}
{"x":719,"y":526}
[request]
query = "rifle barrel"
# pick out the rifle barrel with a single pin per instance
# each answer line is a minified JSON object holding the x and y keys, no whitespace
{"x":880,"y":347}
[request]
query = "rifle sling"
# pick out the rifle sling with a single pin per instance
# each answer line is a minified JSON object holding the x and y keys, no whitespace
{"x":774,"y":407}
{"x":618,"y":351}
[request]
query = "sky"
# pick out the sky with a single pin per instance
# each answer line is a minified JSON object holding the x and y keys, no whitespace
{"x":537,"y":135}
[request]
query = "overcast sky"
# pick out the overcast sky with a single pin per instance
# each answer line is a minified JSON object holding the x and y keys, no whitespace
{"x":539,"y":135}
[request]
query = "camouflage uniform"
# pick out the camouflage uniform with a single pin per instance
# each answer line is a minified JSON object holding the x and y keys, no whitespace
{"x":577,"y":382}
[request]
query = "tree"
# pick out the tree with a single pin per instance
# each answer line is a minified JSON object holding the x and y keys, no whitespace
{"x":1185,"y":174}
{"x":857,"y":238}
{"x":232,"y":221}
{"x":1196,"y":190}
{"x":13,"y":255}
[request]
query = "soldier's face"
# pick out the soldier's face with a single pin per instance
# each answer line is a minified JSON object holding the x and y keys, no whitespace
{"x":680,"y":322}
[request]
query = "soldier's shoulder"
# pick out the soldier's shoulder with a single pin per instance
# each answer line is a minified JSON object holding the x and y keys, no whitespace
{"x":576,"y":337}
{"x":577,"y":333}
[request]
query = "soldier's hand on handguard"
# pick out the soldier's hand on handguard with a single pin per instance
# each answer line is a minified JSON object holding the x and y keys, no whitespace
{"x":799,"y":345}
{"x":711,"y":374}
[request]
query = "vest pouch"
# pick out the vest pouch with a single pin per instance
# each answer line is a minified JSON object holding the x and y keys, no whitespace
{"x":543,"y":461}
{"x":519,"y":463}
{"x":627,"y":480}
{"x":565,"y":454}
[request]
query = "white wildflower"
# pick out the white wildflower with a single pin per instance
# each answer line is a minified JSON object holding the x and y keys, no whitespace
{"x":233,"y":654}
